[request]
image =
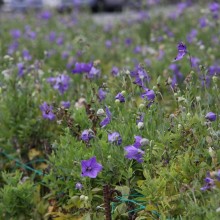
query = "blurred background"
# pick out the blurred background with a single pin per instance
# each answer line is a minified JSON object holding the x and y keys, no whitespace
{"x":92,"y":5}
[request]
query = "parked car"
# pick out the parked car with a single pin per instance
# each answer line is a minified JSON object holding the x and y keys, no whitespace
{"x":95,"y":5}
{"x":22,"y":5}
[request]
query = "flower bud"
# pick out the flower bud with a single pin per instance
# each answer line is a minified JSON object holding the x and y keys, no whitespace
{"x":141,"y":106}
{"x":144,"y":142}
{"x":215,"y":79}
{"x":100,"y":112}
{"x":86,"y":198}
{"x":123,"y":92}
{"x":140,"y":125}
{"x":82,"y":197}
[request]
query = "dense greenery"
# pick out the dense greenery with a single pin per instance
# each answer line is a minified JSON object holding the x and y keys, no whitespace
{"x":117,"y":77}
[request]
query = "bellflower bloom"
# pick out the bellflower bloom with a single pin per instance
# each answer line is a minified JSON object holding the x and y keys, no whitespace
{"x":203,"y":22}
{"x":177,"y":75}
{"x":65,"y":104}
{"x":107,"y":119}
{"x":93,"y":73}
{"x":209,"y":183}
{"x":21,"y":69}
{"x":192,"y":35}
{"x":82,"y":68}
{"x":214,"y":8}
{"x":149,"y":94}
{"x":78,"y":186}
{"x":115,"y":71}
{"x":15,"y":33}
{"x":26,"y":55}
{"x":120,"y":97}
{"x":115,"y":138}
{"x":60,"y":83}
{"x":47,"y":111}
{"x":87,"y":135}
{"x":182,"y":51}
{"x":134,"y":153}
{"x":101,"y":94}
{"x":211,"y":116}
{"x":137,"y":142}
{"x":108,"y":44}
{"x":90,"y":167}
{"x":13,"y":47}
{"x":141,"y":76}
{"x":140,"y":118}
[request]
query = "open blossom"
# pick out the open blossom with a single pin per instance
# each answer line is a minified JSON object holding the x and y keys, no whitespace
{"x":211,"y":116}
{"x":21,"y":69}
{"x":60,"y":83}
{"x":115,"y":138}
{"x":120,"y":97}
{"x":101,"y":94}
{"x":141,"y":76}
{"x":65,"y":104}
{"x":87,"y":135}
{"x":149,"y":94}
{"x":82,"y":67}
{"x":107,"y":119}
{"x":134,"y":153}
{"x":47,"y":111}
{"x":90,"y":167}
{"x":115,"y":71}
{"x":79,"y":186}
{"x":182,"y":51}
{"x":93,"y":73}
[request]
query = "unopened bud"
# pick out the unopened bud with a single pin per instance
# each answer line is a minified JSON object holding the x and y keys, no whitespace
{"x":100,"y":112}
{"x":140,"y":125}
{"x":144,"y":142}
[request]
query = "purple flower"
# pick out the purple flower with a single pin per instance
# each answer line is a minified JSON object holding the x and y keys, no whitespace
{"x":65,"y":104}
{"x":128,"y":41}
{"x":149,"y":94}
{"x":177,"y":75}
{"x":93,"y":73}
{"x":203,"y":22}
{"x":211,"y":116}
{"x":137,"y":142}
{"x":87,"y":135}
{"x":21,"y":69}
{"x":134,"y":153}
{"x":13,"y":47}
{"x":108,"y":44}
{"x":140,"y":118}
{"x":45,"y":15}
{"x":79,"y":186}
{"x":115,"y":138}
{"x":101,"y":94}
{"x":90,"y":167}
{"x":52,"y":36}
{"x":47,"y":111}
{"x":115,"y":71}
{"x":107,"y":119}
{"x":209,"y":183}
{"x":192,"y":35}
{"x":214,"y":7}
{"x":26,"y":55}
{"x":137,"y":49}
{"x":182,"y":51}
{"x":82,"y":67}
{"x":120,"y":97}
{"x":60,"y":83}
{"x":15,"y":33}
{"x":141,"y":76}
{"x":65,"y":55}
{"x":59,"y":40}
